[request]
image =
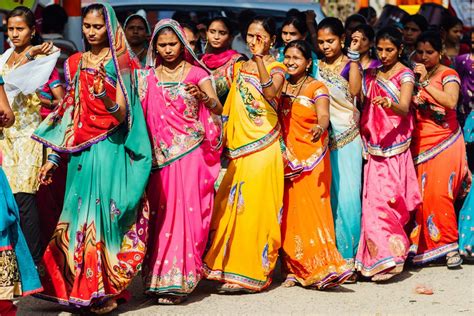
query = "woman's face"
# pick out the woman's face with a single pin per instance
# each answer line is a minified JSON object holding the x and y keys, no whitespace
{"x":290,"y":33}
{"x":136,"y":32}
{"x":93,"y":27}
{"x":454,"y":34}
{"x":191,"y":37}
{"x":329,"y":44}
{"x":256,"y":30}
{"x":169,"y":47}
{"x":365,"y":43}
{"x":19,"y":32}
{"x":427,"y":55}
{"x":295,"y":62}
{"x":387,"y":52}
{"x":218,"y":36}
{"x":411,"y":31}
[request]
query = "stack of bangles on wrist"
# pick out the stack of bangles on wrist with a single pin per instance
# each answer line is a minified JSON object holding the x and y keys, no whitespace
{"x":206,"y":99}
{"x":100,"y":95}
{"x":55,"y":159}
{"x":389,"y":101}
{"x":425,"y":83}
{"x":113,"y":109}
{"x":353,"y":55}
{"x":267,"y":84}
{"x":29,"y":57}
{"x":320,"y":128}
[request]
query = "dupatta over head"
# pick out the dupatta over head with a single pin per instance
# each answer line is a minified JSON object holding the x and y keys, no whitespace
{"x":59,"y":129}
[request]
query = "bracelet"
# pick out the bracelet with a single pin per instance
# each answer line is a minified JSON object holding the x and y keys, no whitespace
{"x":258,"y":55}
{"x":425,"y":83}
{"x":55,"y":159}
{"x":353,"y":55}
{"x":28,"y":56}
{"x":206,"y":98}
{"x":213,"y":105}
{"x":320,"y":128}
{"x":389,"y":100}
{"x":268,"y":83}
{"x":100,"y":95}
{"x":113,"y":109}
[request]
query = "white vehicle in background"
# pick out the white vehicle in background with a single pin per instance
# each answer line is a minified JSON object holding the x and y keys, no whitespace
{"x":157,"y":9}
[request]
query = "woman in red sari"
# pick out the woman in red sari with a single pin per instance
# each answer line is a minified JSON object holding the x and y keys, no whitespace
{"x":439,"y":155}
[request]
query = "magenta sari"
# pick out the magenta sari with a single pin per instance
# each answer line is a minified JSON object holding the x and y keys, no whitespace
{"x":390,"y":189}
{"x":186,"y":140}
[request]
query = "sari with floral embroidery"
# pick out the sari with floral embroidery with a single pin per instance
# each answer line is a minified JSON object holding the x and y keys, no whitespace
{"x":390,"y":191}
{"x":186,"y":139}
{"x":346,"y":161}
{"x":439,"y":154}
{"x":245,"y":231}
{"x":310,"y":255}
{"x":98,"y":245}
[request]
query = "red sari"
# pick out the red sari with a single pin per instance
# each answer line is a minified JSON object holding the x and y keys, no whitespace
{"x":439,"y":155}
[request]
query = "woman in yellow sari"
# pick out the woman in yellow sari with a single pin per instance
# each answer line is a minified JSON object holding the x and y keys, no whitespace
{"x":245,"y":228}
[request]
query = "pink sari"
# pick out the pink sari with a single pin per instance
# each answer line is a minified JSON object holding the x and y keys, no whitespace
{"x":390,"y":190}
{"x":186,"y":139}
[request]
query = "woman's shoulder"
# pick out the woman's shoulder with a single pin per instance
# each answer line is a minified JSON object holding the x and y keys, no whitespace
{"x":448,"y":74}
{"x":405,"y":74}
{"x":316,"y":87}
{"x":196,"y":74}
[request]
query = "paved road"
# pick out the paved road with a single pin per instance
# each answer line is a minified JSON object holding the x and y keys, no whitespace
{"x":453,"y":293}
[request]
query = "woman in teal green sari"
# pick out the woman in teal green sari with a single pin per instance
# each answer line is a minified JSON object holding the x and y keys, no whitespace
{"x":99,"y":242}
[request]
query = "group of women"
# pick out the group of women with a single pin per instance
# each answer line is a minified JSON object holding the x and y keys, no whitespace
{"x":144,"y":147}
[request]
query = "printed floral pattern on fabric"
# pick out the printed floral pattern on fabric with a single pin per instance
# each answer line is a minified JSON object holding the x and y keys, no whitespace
{"x":255,"y":110}
{"x":265,"y":261}
{"x":9,"y":277}
{"x":435,"y":234}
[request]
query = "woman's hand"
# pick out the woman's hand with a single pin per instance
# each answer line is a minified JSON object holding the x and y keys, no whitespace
{"x":356,"y":40}
{"x":195,"y":91}
{"x":46,"y":173}
{"x":421,"y":70}
{"x":99,"y":79}
{"x":43,"y":49}
{"x":316,"y":132}
{"x":258,"y":44}
{"x":382,"y":101}
{"x":6,"y":118}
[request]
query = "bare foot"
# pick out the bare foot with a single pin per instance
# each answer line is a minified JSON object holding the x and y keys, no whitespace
{"x":289,"y":282}
{"x":171,"y":299}
{"x":382,"y":277}
{"x":233,"y":288}
{"x":106,"y":308}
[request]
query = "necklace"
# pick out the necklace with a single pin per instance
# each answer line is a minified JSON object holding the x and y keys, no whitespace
{"x":298,"y":84}
{"x":163,"y":83}
{"x":388,"y":74}
{"x":20,"y":57}
{"x":431,"y":72}
{"x":92,"y":64}
{"x":334,"y":67}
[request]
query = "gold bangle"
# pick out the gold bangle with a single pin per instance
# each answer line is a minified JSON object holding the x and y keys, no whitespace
{"x":389,"y":101}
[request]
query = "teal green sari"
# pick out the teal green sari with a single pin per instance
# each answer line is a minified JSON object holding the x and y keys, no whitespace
{"x":100,"y":240}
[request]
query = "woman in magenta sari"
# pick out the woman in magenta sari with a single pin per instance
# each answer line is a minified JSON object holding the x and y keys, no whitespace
{"x":390,"y":190}
{"x":179,"y":104}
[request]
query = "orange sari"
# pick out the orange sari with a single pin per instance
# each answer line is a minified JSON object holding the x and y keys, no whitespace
{"x":439,"y":156}
{"x":310,"y":255}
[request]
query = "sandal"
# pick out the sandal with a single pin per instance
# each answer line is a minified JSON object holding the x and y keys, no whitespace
{"x":171,"y":299}
{"x":381,"y":277}
{"x":289,"y":282}
{"x":453,"y":260}
{"x":105,"y":307}
{"x":228,"y":288}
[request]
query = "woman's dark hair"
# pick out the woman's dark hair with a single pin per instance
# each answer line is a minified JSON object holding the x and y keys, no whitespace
{"x":54,"y":19}
{"x":227,"y":23}
{"x":333,"y":24}
{"x":367,"y":30}
{"x":418,"y":19}
{"x":29,"y":19}
{"x":368,"y":13}
{"x":392,"y":34}
{"x":93,"y":7}
{"x":302,"y":46}
{"x":160,"y":32}
{"x":431,"y":37}
{"x":449,"y":22}
{"x":297,"y":22}
{"x":267,"y":22}
{"x":191,"y":26}
{"x":355,"y":18}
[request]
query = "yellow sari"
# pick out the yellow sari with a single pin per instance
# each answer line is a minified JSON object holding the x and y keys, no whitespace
{"x":245,"y":228}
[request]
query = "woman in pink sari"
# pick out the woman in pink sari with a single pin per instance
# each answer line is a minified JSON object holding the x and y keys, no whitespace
{"x":179,"y":103}
{"x":390,"y":190}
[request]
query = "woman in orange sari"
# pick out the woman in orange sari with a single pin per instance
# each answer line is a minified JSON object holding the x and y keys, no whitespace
{"x":439,"y":155}
{"x":310,"y":255}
